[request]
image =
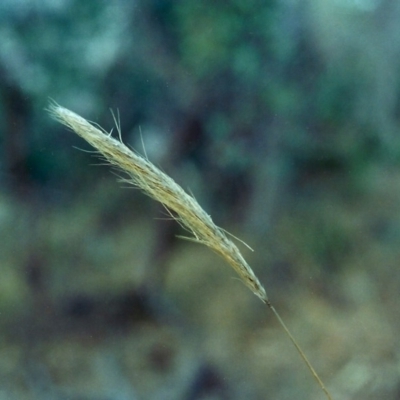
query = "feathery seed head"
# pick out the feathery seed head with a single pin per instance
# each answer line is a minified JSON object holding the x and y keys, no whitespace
{"x":156,"y":184}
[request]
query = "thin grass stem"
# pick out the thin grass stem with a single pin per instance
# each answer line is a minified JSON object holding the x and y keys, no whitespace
{"x":299,"y":350}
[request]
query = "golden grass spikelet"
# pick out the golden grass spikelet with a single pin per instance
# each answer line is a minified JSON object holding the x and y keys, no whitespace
{"x":182,"y":207}
{"x":156,"y":184}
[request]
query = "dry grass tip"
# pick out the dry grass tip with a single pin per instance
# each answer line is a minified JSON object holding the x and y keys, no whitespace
{"x":156,"y":184}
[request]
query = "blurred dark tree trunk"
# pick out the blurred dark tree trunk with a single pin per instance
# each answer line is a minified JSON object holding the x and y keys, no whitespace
{"x":17,"y":110}
{"x":16,"y":147}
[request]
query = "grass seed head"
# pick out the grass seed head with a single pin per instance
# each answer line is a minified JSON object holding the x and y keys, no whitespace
{"x":161,"y":187}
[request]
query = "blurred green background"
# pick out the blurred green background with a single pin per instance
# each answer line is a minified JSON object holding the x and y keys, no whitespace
{"x":282,"y":118}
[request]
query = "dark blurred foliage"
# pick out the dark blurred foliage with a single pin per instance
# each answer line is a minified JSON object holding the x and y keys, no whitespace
{"x":255,"y":77}
{"x":281,"y":116}
{"x":260,"y":80}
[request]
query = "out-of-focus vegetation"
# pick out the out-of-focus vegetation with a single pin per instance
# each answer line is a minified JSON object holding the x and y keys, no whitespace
{"x":282,"y":117}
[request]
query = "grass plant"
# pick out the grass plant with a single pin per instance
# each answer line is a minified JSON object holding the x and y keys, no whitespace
{"x":180,"y":205}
